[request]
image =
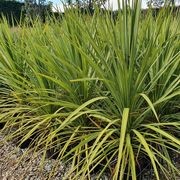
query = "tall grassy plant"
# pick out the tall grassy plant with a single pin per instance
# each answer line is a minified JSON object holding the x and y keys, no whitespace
{"x":97,"y":92}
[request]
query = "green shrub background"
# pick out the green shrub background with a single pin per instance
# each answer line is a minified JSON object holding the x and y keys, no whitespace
{"x":11,"y":10}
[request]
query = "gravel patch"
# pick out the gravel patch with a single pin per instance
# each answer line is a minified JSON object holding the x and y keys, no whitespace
{"x":11,"y":168}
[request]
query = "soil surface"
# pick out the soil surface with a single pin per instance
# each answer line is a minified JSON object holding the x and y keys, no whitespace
{"x":11,"y":168}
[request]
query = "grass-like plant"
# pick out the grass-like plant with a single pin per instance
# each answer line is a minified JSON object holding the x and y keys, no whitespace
{"x":97,"y":92}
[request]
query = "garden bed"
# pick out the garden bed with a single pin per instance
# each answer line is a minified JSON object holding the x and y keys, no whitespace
{"x":29,"y":167}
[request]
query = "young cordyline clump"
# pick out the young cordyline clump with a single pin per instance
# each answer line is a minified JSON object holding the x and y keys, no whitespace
{"x":98,"y":93}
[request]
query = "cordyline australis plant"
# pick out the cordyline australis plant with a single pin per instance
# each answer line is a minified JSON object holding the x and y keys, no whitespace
{"x":99,"y":93}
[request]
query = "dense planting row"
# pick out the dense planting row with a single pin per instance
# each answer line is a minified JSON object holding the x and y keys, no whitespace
{"x":99,"y":93}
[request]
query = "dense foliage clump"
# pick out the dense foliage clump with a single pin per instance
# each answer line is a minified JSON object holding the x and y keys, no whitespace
{"x":100,"y":93}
